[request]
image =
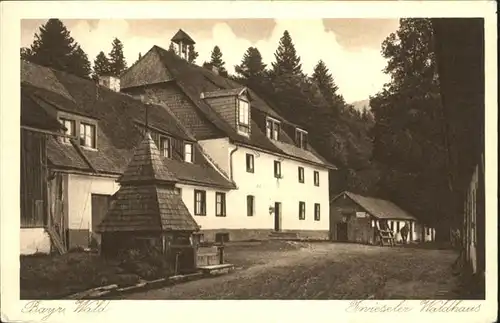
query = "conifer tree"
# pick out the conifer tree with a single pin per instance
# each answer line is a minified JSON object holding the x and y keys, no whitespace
{"x":101,"y":65}
{"x":171,"y":48}
{"x":251,"y":66}
{"x":287,"y":61}
{"x":323,"y":79}
{"x":193,"y":54}
{"x":117,"y":61}
{"x":216,"y":60}
{"x":54,"y":47}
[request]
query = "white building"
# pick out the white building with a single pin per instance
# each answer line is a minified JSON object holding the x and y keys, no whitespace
{"x":282,"y":183}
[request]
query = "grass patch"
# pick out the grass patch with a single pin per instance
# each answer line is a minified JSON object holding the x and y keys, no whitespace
{"x":57,"y":276}
{"x":49,"y":277}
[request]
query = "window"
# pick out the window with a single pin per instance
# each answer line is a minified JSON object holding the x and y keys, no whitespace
{"x":301,"y":174}
{"x":243,"y":116}
{"x":302,"y":210}
{"x":277,"y":169}
{"x":392,"y":225}
{"x":301,"y":138}
{"x":70,"y":129}
{"x":200,"y":206}
{"x":188,"y":153}
{"x":317,"y":211}
{"x":397,"y":226}
{"x":428,"y":231}
{"x":250,"y":205}
{"x":220,"y":204}
{"x":87,"y":135}
{"x":250,"y":165}
{"x":316,"y":178}
{"x":165,"y":147}
{"x":272,"y":129}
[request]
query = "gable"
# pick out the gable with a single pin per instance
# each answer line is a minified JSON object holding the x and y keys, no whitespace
{"x":148,"y":70}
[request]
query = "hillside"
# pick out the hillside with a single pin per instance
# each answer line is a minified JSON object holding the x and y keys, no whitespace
{"x":359,"y":105}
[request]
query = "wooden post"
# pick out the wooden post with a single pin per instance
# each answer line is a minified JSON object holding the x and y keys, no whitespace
{"x":221,"y":252}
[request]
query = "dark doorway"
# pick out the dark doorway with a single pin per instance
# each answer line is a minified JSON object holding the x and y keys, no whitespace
{"x":277,"y":216}
{"x":100,"y":206}
{"x":342,"y":231}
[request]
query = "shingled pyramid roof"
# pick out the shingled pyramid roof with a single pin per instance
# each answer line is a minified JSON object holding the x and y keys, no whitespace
{"x":147,"y":199}
{"x":182,"y":36}
{"x":146,"y":165}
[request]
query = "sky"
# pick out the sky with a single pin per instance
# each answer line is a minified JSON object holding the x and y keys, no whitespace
{"x":349,"y":47}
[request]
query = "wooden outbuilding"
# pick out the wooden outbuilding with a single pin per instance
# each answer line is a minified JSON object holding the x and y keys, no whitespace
{"x":357,"y":218}
{"x":148,"y":211}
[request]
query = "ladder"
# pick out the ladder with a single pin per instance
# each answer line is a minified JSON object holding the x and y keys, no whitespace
{"x":56,"y":240}
{"x":386,"y":238}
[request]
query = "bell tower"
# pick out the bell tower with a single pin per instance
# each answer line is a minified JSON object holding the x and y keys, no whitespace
{"x":182,"y":41}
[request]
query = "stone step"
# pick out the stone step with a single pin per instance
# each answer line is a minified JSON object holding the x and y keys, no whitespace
{"x":216,"y":269}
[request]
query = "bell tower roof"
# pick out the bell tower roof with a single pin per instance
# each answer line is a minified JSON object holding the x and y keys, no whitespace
{"x":182,"y":36}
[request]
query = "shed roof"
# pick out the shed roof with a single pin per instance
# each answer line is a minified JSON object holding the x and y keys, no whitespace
{"x":378,"y":208}
{"x":147,"y":199}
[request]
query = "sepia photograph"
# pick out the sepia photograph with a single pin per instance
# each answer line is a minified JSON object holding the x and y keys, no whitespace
{"x":253,"y":159}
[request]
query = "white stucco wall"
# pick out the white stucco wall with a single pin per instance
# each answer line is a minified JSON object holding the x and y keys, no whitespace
{"x":267,"y":190}
{"x":34,"y":240}
{"x":80,"y":189}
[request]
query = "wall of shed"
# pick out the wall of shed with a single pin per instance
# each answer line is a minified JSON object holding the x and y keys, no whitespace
{"x":33,"y":179}
{"x":80,"y":190}
{"x":358,"y":229}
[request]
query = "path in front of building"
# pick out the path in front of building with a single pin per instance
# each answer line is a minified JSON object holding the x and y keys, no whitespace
{"x":325,"y":271}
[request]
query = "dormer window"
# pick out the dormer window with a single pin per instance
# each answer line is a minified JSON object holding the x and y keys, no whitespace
{"x":70,"y":126}
{"x":301,"y":138}
{"x":87,"y":135}
{"x":273,"y":128}
{"x":165,"y":147}
{"x":243,"y":117}
{"x":188,"y":153}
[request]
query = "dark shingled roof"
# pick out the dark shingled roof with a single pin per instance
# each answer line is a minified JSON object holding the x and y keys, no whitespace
{"x":381,"y":209}
{"x":181,"y":35}
{"x":194,"y":80}
{"x":147,"y":208}
{"x":117,"y":116}
{"x":147,"y":199}
{"x":36,"y":116}
{"x":146,"y":165}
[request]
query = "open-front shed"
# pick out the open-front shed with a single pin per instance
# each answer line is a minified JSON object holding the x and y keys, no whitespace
{"x":356,"y":218}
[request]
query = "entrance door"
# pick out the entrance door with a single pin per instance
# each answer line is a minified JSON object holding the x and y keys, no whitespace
{"x":342,"y":231}
{"x":100,"y":206}
{"x":277,"y":216}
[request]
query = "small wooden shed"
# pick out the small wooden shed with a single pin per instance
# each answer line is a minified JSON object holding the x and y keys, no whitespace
{"x":147,"y":210}
{"x":355,"y":218}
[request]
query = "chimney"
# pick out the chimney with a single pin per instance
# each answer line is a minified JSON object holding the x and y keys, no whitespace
{"x":111,"y":82}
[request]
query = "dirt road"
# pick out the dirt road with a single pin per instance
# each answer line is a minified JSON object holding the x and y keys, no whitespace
{"x":324,"y":271}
